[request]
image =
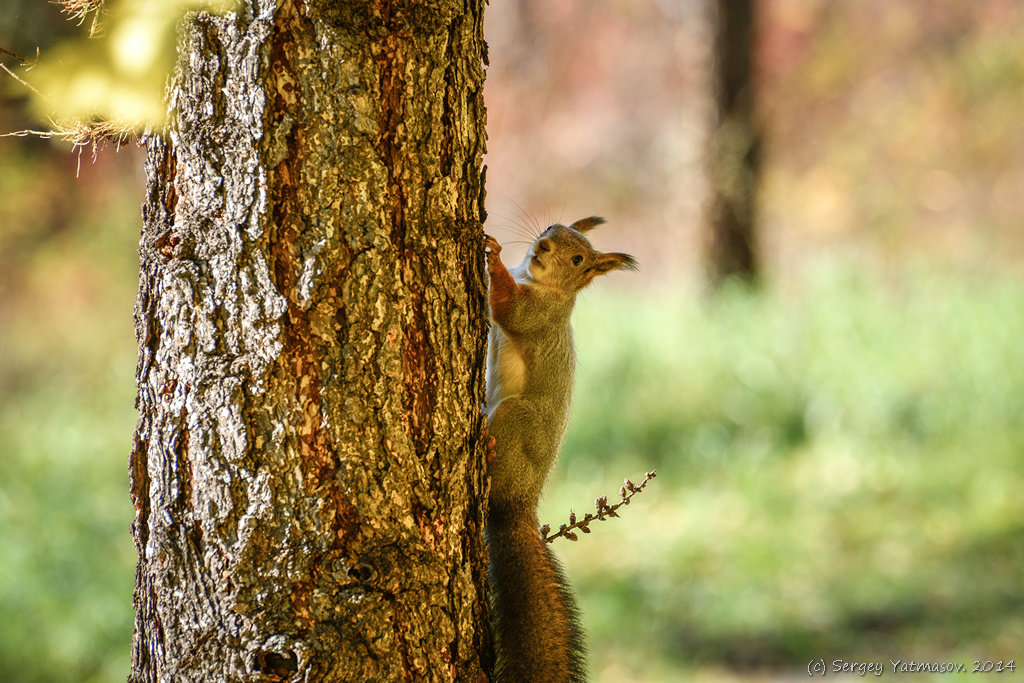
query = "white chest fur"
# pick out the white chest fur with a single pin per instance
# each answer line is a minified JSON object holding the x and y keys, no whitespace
{"x":506,"y":369}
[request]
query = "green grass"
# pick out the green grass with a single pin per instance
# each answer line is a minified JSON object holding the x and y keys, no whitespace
{"x":66,"y":419}
{"x":839,"y":474}
{"x":66,"y":574}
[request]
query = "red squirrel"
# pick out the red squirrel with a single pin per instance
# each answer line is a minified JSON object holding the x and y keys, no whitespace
{"x":530,"y":366}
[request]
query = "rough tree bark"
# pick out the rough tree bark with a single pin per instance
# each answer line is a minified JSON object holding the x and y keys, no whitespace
{"x":734,"y":155}
{"x":308,"y":475}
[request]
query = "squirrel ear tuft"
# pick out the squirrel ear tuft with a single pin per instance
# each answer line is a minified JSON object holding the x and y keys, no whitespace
{"x":606,"y":263}
{"x":585,"y":224}
{"x":615,"y":261}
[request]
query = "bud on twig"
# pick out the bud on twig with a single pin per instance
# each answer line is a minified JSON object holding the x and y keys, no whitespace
{"x":627,"y":491}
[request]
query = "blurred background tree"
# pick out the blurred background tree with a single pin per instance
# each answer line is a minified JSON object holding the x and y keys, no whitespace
{"x":838,"y":455}
{"x":733,"y":144}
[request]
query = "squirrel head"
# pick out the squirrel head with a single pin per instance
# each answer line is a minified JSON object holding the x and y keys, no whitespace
{"x":563,"y":259}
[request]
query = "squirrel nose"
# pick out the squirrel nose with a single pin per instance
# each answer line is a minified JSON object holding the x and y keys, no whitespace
{"x":544,"y":245}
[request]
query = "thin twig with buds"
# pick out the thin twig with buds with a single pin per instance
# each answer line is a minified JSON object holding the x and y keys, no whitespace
{"x":604,"y":511}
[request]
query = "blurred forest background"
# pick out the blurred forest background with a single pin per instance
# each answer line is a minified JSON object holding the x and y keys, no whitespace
{"x":839,"y":449}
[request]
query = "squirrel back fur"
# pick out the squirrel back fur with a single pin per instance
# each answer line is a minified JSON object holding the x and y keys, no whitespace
{"x":530,"y":368}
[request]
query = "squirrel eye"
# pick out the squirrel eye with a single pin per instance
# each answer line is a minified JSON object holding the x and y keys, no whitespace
{"x":577,"y":259}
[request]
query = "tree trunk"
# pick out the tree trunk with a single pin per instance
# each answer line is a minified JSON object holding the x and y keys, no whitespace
{"x":733,"y":160}
{"x":308,"y":474}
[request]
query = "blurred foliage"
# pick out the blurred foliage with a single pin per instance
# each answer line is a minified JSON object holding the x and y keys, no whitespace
{"x":839,"y":473}
{"x":889,"y":126}
{"x":117,"y":72}
{"x":26,"y":25}
{"x":894,"y":126}
{"x":67,"y":267}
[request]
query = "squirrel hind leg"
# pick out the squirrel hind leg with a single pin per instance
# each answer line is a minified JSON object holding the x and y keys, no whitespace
{"x":521,"y":461}
{"x":489,"y":443}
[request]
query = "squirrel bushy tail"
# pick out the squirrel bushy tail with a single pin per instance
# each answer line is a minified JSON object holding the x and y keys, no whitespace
{"x":537,"y":626}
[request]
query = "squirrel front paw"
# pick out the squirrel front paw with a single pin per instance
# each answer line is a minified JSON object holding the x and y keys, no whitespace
{"x":491,"y":247}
